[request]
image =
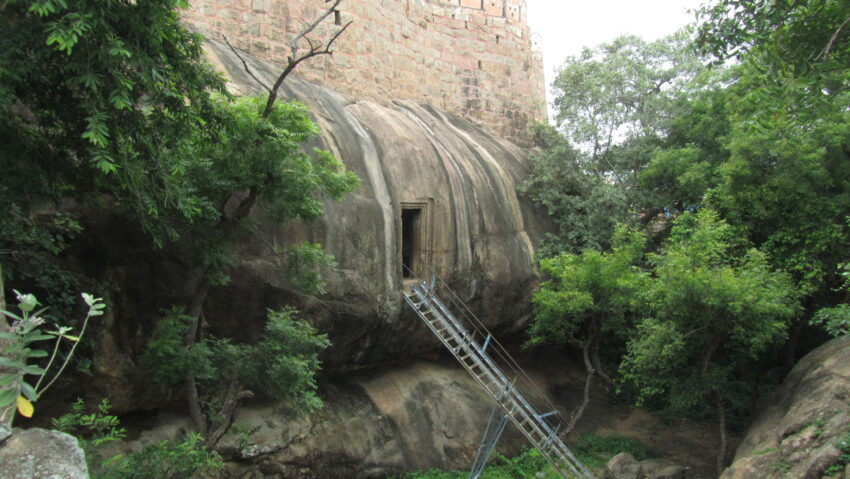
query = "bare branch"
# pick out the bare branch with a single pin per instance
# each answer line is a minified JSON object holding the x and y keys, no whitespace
{"x":832,"y":40}
{"x":245,"y":64}
{"x":293,"y":62}
{"x":293,"y":45}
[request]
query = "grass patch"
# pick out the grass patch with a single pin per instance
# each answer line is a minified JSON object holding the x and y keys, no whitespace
{"x":595,"y":451}
{"x":592,"y":450}
{"x":528,"y":465}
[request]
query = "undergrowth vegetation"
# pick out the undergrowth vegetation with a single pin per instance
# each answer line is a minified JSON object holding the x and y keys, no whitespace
{"x":591,"y":449}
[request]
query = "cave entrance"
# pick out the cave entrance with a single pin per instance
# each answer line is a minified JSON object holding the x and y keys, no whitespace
{"x":411,"y":241}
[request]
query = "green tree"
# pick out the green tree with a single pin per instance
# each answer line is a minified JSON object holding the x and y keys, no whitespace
{"x":713,"y":306}
{"x":785,"y":181}
{"x":614,"y":106}
{"x":109,"y":106}
{"x":95,"y":101}
{"x":282,"y":365}
{"x":588,"y":298}
{"x":685,"y":165}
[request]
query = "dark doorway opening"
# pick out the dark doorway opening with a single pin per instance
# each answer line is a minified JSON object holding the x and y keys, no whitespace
{"x":410,"y":241}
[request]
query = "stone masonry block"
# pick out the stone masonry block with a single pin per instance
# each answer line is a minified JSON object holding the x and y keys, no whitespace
{"x":494,"y":7}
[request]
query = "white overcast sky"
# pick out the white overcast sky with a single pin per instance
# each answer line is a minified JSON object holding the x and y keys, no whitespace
{"x":566,"y":26}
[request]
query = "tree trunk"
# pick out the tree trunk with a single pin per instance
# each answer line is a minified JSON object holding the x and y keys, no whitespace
{"x":234,"y":394}
{"x":4,"y":325}
{"x":588,"y":382}
{"x":721,"y":416}
{"x":196,"y":308}
{"x":593,"y":339}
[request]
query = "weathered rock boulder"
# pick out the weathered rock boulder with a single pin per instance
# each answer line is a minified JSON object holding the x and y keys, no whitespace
{"x":420,"y":416}
{"x":798,"y":434}
{"x":662,"y":469}
{"x":625,"y":466}
{"x":438,"y":194}
{"x":42,"y":454}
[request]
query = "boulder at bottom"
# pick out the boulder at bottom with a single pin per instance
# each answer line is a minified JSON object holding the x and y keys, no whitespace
{"x":625,"y":466}
{"x":42,"y":454}
{"x":801,"y":431}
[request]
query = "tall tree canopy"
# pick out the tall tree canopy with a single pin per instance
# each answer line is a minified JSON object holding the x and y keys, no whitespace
{"x":787,"y":178}
{"x":614,"y":104}
{"x":749,"y":159}
{"x":108,"y":106}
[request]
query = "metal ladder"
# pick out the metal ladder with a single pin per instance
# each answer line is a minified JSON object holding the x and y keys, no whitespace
{"x":472,"y":354}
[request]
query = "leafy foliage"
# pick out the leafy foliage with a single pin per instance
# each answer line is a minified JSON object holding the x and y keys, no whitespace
{"x":785,"y":179}
{"x":109,"y":107}
{"x":836,"y":320}
{"x":528,"y":465}
{"x":589,"y":294}
{"x":282,"y":365}
{"x":98,"y":97}
{"x":19,"y":359}
{"x":713,"y":308}
{"x":167,"y":459}
{"x":615,"y":104}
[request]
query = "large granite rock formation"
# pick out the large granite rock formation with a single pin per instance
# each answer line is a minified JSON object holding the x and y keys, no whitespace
{"x":798,"y":435}
{"x":419,"y":416}
{"x":433,"y":184}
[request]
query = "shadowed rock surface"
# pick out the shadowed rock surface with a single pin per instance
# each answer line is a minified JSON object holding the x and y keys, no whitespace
{"x":797,"y":434}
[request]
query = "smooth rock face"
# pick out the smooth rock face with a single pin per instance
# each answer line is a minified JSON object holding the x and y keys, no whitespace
{"x":472,"y":229}
{"x":457,"y":182}
{"x":796,"y":436}
{"x":42,"y":454}
{"x":662,"y":469}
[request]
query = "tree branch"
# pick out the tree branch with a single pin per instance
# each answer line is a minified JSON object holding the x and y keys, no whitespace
{"x":293,"y":45}
{"x":294,"y":61}
{"x":823,"y":54}
{"x":245,"y":64}
{"x":231,"y":399}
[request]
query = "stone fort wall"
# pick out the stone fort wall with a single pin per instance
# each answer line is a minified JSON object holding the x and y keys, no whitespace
{"x":475,"y":58}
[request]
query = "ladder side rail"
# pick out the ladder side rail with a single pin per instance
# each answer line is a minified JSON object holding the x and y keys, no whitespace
{"x":528,"y":416}
{"x":479,"y":350}
{"x":474,"y":347}
{"x":507,"y":361}
{"x":483,"y":353}
{"x":570,"y":458}
{"x":456,"y":332}
{"x":530,"y":423}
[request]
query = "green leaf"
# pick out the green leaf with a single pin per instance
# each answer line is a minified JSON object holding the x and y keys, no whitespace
{"x":33,"y":369}
{"x":29,"y":391}
{"x":7,"y":378}
{"x":7,"y":397}
{"x":12,"y":364}
{"x":36,"y":353}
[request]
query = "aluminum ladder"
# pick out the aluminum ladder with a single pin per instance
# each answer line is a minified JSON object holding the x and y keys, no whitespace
{"x":472,"y":355}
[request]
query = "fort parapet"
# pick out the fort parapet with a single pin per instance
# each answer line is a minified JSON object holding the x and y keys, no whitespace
{"x":475,"y":58}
